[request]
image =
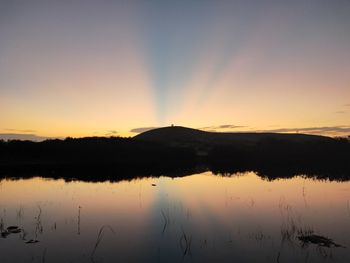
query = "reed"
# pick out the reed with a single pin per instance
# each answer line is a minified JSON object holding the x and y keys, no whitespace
{"x":166,"y":221}
{"x":99,"y":238}
{"x":185,"y":243}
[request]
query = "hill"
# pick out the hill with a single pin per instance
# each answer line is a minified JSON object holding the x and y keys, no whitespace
{"x":265,"y":153}
{"x":182,"y":136}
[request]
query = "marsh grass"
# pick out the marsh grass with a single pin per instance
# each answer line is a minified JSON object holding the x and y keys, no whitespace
{"x":291,"y":222}
{"x":20,"y":213}
{"x":99,"y":238}
{"x":304,"y":196}
{"x":288,"y":231}
{"x":79,"y":212}
{"x":24,"y":235}
{"x":38,"y":225}
{"x":306,"y":231}
{"x":166,"y":221}
{"x":1,"y":225}
{"x":259,"y":236}
{"x":185,"y":243}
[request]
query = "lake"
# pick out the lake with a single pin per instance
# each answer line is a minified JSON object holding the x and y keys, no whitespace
{"x":198,"y":218}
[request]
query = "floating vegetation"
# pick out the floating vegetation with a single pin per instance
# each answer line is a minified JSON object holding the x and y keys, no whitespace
{"x":4,"y":234}
{"x":32,"y":241}
{"x":10,"y":230}
{"x":13,"y":229}
{"x":317,"y":240}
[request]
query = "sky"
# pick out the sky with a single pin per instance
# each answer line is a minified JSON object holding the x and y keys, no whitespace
{"x":115,"y":68}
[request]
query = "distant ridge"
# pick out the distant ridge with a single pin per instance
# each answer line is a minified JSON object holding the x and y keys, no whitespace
{"x":23,"y":137}
{"x":178,"y":135}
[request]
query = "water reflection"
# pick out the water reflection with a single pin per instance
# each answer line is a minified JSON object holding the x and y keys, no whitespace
{"x":198,"y":218}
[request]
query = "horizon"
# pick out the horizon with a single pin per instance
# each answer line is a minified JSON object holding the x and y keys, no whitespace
{"x":317,"y":131}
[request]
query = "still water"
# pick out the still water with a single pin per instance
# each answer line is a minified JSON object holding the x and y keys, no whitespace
{"x":197,"y":218}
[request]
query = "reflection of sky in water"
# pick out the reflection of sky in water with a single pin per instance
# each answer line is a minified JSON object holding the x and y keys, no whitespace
{"x":239,"y":218}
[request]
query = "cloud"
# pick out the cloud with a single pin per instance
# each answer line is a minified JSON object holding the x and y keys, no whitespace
{"x":142,"y":129}
{"x":22,"y":137}
{"x":220,"y":127}
{"x":347,"y":105}
{"x":111,"y":133}
{"x":20,"y":131}
{"x":324,"y":130}
{"x":340,"y":112}
{"x":314,"y":130}
{"x":229,"y":126}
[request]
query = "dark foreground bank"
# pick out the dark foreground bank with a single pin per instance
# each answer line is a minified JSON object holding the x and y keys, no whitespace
{"x":99,"y":159}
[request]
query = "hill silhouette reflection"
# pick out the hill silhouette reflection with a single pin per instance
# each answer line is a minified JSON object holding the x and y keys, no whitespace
{"x":177,"y":151}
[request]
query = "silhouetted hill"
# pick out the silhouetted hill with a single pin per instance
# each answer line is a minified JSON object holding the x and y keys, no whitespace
{"x":173,"y":135}
{"x":204,"y":141}
{"x":261,"y":152}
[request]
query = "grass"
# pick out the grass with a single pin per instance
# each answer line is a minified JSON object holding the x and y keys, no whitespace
{"x":166,"y":221}
{"x":78,"y":220}
{"x":259,"y":235}
{"x":20,"y":213}
{"x":38,"y":226}
{"x":99,"y":239}
{"x":1,"y":225}
{"x":185,"y":243}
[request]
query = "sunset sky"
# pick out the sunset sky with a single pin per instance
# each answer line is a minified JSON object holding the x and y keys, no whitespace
{"x":103,"y":68}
